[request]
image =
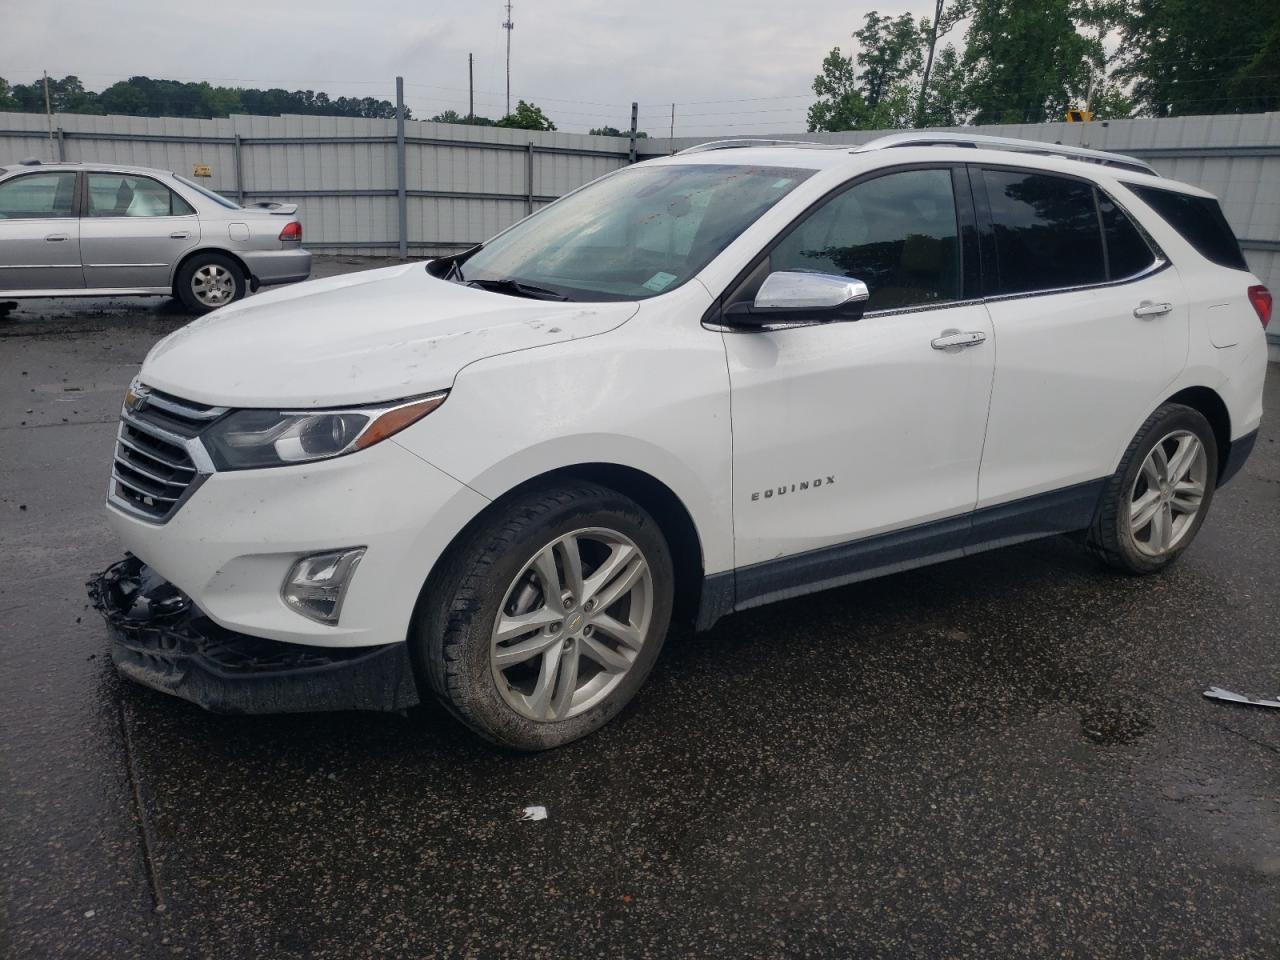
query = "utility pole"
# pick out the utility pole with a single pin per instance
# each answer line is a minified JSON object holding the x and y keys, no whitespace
{"x":471,"y":87}
{"x":48,"y":112}
{"x":402,"y":202}
{"x":635,"y":107}
{"x":508,"y":26}
{"x":673,"y":127}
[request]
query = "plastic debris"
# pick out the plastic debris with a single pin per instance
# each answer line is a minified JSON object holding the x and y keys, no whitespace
{"x":534,"y":813}
{"x":1217,"y":693}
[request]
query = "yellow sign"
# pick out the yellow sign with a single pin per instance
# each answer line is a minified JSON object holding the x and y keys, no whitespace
{"x":201,"y":170}
{"x":1079,"y":116}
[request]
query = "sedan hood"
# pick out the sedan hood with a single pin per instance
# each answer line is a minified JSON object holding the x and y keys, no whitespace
{"x":359,"y":338}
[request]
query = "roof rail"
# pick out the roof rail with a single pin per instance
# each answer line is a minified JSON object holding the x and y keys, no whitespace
{"x":749,"y":142}
{"x":927,"y":138}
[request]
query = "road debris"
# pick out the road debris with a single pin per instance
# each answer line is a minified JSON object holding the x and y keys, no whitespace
{"x":1217,"y":693}
{"x":534,"y":813}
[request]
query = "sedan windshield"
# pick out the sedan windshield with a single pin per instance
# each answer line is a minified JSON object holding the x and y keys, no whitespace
{"x":632,"y":235}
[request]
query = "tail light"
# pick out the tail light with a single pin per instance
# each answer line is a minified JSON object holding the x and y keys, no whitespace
{"x":293,"y":231}
{"x":1260,"y":297}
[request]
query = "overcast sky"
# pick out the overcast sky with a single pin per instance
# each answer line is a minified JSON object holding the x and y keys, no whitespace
{"x":732,"y":67}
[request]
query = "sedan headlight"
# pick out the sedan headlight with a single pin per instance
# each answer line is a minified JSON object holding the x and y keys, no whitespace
{"x":247,"y":439}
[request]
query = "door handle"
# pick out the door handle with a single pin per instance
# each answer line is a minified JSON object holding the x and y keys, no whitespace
{"x":958,"y":338}
{"x":55,"y":237}
{"x":1148,"y":309}
{"x":179,"y":235}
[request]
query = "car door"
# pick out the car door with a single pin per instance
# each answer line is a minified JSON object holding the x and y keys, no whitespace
{"x":1091,"y":324}
{"x":851,"y":438}
{"x":39,"y":232}
{"x":133,"y":231}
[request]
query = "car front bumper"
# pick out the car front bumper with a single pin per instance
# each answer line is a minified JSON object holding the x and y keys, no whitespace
{"x":232,"y":543}
{"x":160,"y":639}
{"x":268,"y":267}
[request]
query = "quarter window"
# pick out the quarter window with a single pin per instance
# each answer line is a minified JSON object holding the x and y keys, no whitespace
{"x":125,"y":195}
{"x":1200,"y":221}
{"x":896,"y":233}
{"x":38,"y":196}
{"x":1128,"y":253}
{"x":1047,"y":234}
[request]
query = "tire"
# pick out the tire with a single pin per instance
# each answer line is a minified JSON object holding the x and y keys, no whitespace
{"x":208,"y":281}
{"x":1118,"y":536}
{"x":524,"y":700}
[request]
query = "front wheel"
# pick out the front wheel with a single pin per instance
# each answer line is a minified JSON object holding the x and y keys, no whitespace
{"x":208,"y":281}
{"x":1153,"y":506}
{"x":545,"y":623}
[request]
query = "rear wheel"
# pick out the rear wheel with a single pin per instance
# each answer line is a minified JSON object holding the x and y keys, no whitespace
{"x":208,"y":281}
{"x":1154,"y":505}
{"x":544,"y":624}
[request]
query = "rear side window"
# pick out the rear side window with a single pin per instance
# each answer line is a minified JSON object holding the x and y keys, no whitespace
{"x":1047,"y":234}
{"x":1200,"y":222}
{"x":127,"y":195}
{"x":1128,"y":252}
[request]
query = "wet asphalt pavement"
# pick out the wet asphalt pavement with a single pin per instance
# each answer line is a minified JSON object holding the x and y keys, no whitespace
{"x":1005,"y":756}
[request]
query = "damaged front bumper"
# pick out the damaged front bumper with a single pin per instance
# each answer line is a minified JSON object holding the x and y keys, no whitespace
{"x":162,"y":640}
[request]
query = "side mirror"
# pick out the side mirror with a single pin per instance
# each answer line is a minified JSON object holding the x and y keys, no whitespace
{"x":792,"y":298}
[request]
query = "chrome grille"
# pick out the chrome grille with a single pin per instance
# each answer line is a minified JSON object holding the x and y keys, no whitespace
{"x":156,"y":466}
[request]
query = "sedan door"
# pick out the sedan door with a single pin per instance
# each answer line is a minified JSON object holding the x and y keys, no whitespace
{"x":856,"y":445}
{"x":134,"y":230}
{"x":39,"y":233}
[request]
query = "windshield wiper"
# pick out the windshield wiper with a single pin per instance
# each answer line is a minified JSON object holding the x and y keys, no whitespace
{"x":517,"y":288}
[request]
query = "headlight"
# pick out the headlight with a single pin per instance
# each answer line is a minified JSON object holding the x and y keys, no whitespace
{"x":247,"y":439}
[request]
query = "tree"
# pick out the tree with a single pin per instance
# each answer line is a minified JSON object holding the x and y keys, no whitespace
{"x":1026,"y":63}
{"x":7,"y":100}
{"x":1201,"y":56}
{"x":615,"y":132}
{"x":526,"y":116}
{"x":941,"y":104}
{"x":944,"y":20}
{"x":889,"y":55}
{"x":453,"y":116}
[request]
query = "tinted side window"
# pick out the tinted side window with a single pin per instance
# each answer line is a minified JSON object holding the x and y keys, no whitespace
{"x":38,"y":195}
{"x":125,"y":195}
{"x":1046,"y":231}
{"x":896,"y":233}
{"x":1127,"y":251}
{"x":1200,"y":221}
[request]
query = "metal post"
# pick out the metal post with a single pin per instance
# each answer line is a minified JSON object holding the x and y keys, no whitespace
{"x":402,"y":197}
{"x":62,"y":145}
{"x":239,"y":163}
{"x":528,"y":178}
{"x":673,"y":128}
{"x":471,"y":87}
{"x":48,"y":110}
{"x":635,"y":112}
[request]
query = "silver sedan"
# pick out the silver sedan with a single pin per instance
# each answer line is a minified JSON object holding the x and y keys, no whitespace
{"x":90,"y":229}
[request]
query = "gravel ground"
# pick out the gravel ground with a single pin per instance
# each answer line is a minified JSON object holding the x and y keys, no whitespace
{"x":1005,"y":756}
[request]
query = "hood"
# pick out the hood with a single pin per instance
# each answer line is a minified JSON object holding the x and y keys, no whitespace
{"x":358,"y":338}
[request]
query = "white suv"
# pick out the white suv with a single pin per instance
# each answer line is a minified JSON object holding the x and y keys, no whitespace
{"x":694,"y":386}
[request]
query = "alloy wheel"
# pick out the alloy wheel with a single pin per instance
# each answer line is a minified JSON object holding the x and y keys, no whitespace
{"x":213,"y":285}
{"x":571,"y":624}
{"x":1168,"y":493}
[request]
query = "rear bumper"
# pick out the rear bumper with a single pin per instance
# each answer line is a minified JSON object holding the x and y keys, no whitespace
{"x":160,"y":639}
{"x":269,"y":267}
{"x":1237,"y":455}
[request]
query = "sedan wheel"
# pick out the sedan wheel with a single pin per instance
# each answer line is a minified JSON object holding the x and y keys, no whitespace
{"x":572,"y":624}
{"x":213,"y":285}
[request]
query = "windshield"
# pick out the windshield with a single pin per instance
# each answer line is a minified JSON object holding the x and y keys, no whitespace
{"x":206,"y":192}
{"x":632,"y":235}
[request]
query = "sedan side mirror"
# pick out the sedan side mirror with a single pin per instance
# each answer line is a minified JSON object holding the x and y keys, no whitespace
{"x":793,"y":298}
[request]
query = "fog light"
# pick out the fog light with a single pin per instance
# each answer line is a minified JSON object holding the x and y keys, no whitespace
{"x":317,"y":584}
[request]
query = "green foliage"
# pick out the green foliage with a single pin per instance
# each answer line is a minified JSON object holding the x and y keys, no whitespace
{"x":1027,"y":63}
{"x":843,"y":105}
{"x":1202,"y":56}
{"x":145,"y":97}
{"x":615,"y":132}
{"x":526,"y":116}
{"x":453,"y":116}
